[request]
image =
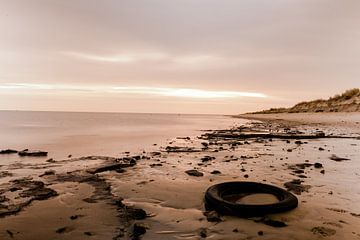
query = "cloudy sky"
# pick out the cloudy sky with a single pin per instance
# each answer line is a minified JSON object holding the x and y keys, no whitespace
{"x":179,"y":56}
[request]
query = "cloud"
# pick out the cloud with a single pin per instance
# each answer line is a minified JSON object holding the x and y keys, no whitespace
{"x":157,"y":91}
{"x":148,"y":57}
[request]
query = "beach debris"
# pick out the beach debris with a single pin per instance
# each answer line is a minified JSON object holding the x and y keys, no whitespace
{"x":136,"y":213}
{"x":318,"y":165}
{"x":203,"y":233}
{"x":28,"y":153}
{"x":194,"y":172}
{"x":212,"y":216}
{"x":11,"y":234}
{"x":64,"y":230}
{"x":296,"y":186}
{"x":180,"y":149}
{"x":47,"y":172}
{"x":323,"y":231}
{"x":207,"y":158}
{"x":338,"y":159}
{"x":30,"y":191}
{"x":126,"y":162}
{"x":271,"y":222}
{"x":5,"y":174}
{"x":138,"y":230}
{"x":8,"y":151}
{"x":155,"y":165}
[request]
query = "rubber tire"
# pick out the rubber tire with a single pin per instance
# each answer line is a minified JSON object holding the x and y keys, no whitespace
{"x":214,"y":199}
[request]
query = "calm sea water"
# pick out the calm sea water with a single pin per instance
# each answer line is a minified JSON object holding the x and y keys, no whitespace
{"x":80,"y":134}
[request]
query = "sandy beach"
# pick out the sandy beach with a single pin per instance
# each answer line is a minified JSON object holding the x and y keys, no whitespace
{"x":149,"y":195}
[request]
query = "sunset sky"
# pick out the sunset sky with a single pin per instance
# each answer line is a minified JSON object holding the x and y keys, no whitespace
{"x":175,"y":56}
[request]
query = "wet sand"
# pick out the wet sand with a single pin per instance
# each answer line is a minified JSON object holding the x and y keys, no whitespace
{"x":104,"y":199}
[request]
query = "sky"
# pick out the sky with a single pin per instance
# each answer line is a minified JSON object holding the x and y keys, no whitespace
{"x":175,"y":56}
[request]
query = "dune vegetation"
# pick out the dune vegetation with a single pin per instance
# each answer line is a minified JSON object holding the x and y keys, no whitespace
{"x":349,"y":101}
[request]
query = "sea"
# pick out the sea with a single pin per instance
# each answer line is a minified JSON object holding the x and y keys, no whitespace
{"x":108,"y":134}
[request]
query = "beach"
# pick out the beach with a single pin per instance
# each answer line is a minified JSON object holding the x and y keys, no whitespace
{"x":106,"y":180}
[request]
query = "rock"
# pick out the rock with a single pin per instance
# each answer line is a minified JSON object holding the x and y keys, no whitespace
{"x":273,"y":223}
{"x":194,"y":172}
{"x":296,"y":187}
{"x":48,"y":172}
{"x":318,"y":165}
{"x":112,"y":167}
{"x":321,"y":149}
{"x":212,"y":216}
{"x":216,"y":172}
{"x":207,"y":158}
{"x":322,"y":171}
{"x":338,"y":159}
{"x":298,"y":142}
{"x":27,"y":153}
{"x":5,"y":174}
{"x":155,"y":165}
{"x":260,"y":233}
{"x":8,"y":151}
{"x":205,"y":144}
{"x":323,"y":231}
{"x":138,"y":230}
{"x":203,"y":233}
{"x":136,"y":213}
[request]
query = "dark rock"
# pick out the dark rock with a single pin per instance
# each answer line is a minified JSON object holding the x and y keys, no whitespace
{"x":8,"y":151}
{"x":136,"y":213}
{"x":88,"y":233}
{"x":273,"y":223}
{"x":338,"y":159}
{"x":207,"y":158}
{"x":62,"y":230}
{"x":138,"y":230}
{"x":216,"y":172}
{"x":321,"y":149}
{"x":318,"y":165}
{"x":194,"y":172}
{"x":155,"y":165}
{"x":112,"y":167}
{"x":180,"y":149}
{"x":48,"y":172}
{"x":296,"y":187}
{"x":27,"y":153}
{"x":11,"y":234}
{"x":322,"y":171}
{"x":50,"y":160}
{"x":203,"y":233}
{"x":212,"y":216}
{"x":5,"y":174}
{"x":260,"y":233}
{"x":298,"y":142}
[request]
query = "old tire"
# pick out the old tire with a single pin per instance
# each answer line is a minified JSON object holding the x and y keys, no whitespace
{"x":214,"y":199}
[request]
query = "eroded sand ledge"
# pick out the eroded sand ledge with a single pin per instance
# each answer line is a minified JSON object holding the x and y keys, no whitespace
{"x":90,"y":189}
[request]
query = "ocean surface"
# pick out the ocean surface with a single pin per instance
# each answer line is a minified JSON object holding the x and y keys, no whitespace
{"x":83,"y":134}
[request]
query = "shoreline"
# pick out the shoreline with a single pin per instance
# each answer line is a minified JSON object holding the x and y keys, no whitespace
{"x":157,"y":183}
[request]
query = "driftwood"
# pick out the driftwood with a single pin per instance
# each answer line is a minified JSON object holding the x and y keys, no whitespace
{"x":223,"y":135}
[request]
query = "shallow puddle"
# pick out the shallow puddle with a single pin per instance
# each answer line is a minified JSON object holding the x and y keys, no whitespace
{"x":252,"y":199}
